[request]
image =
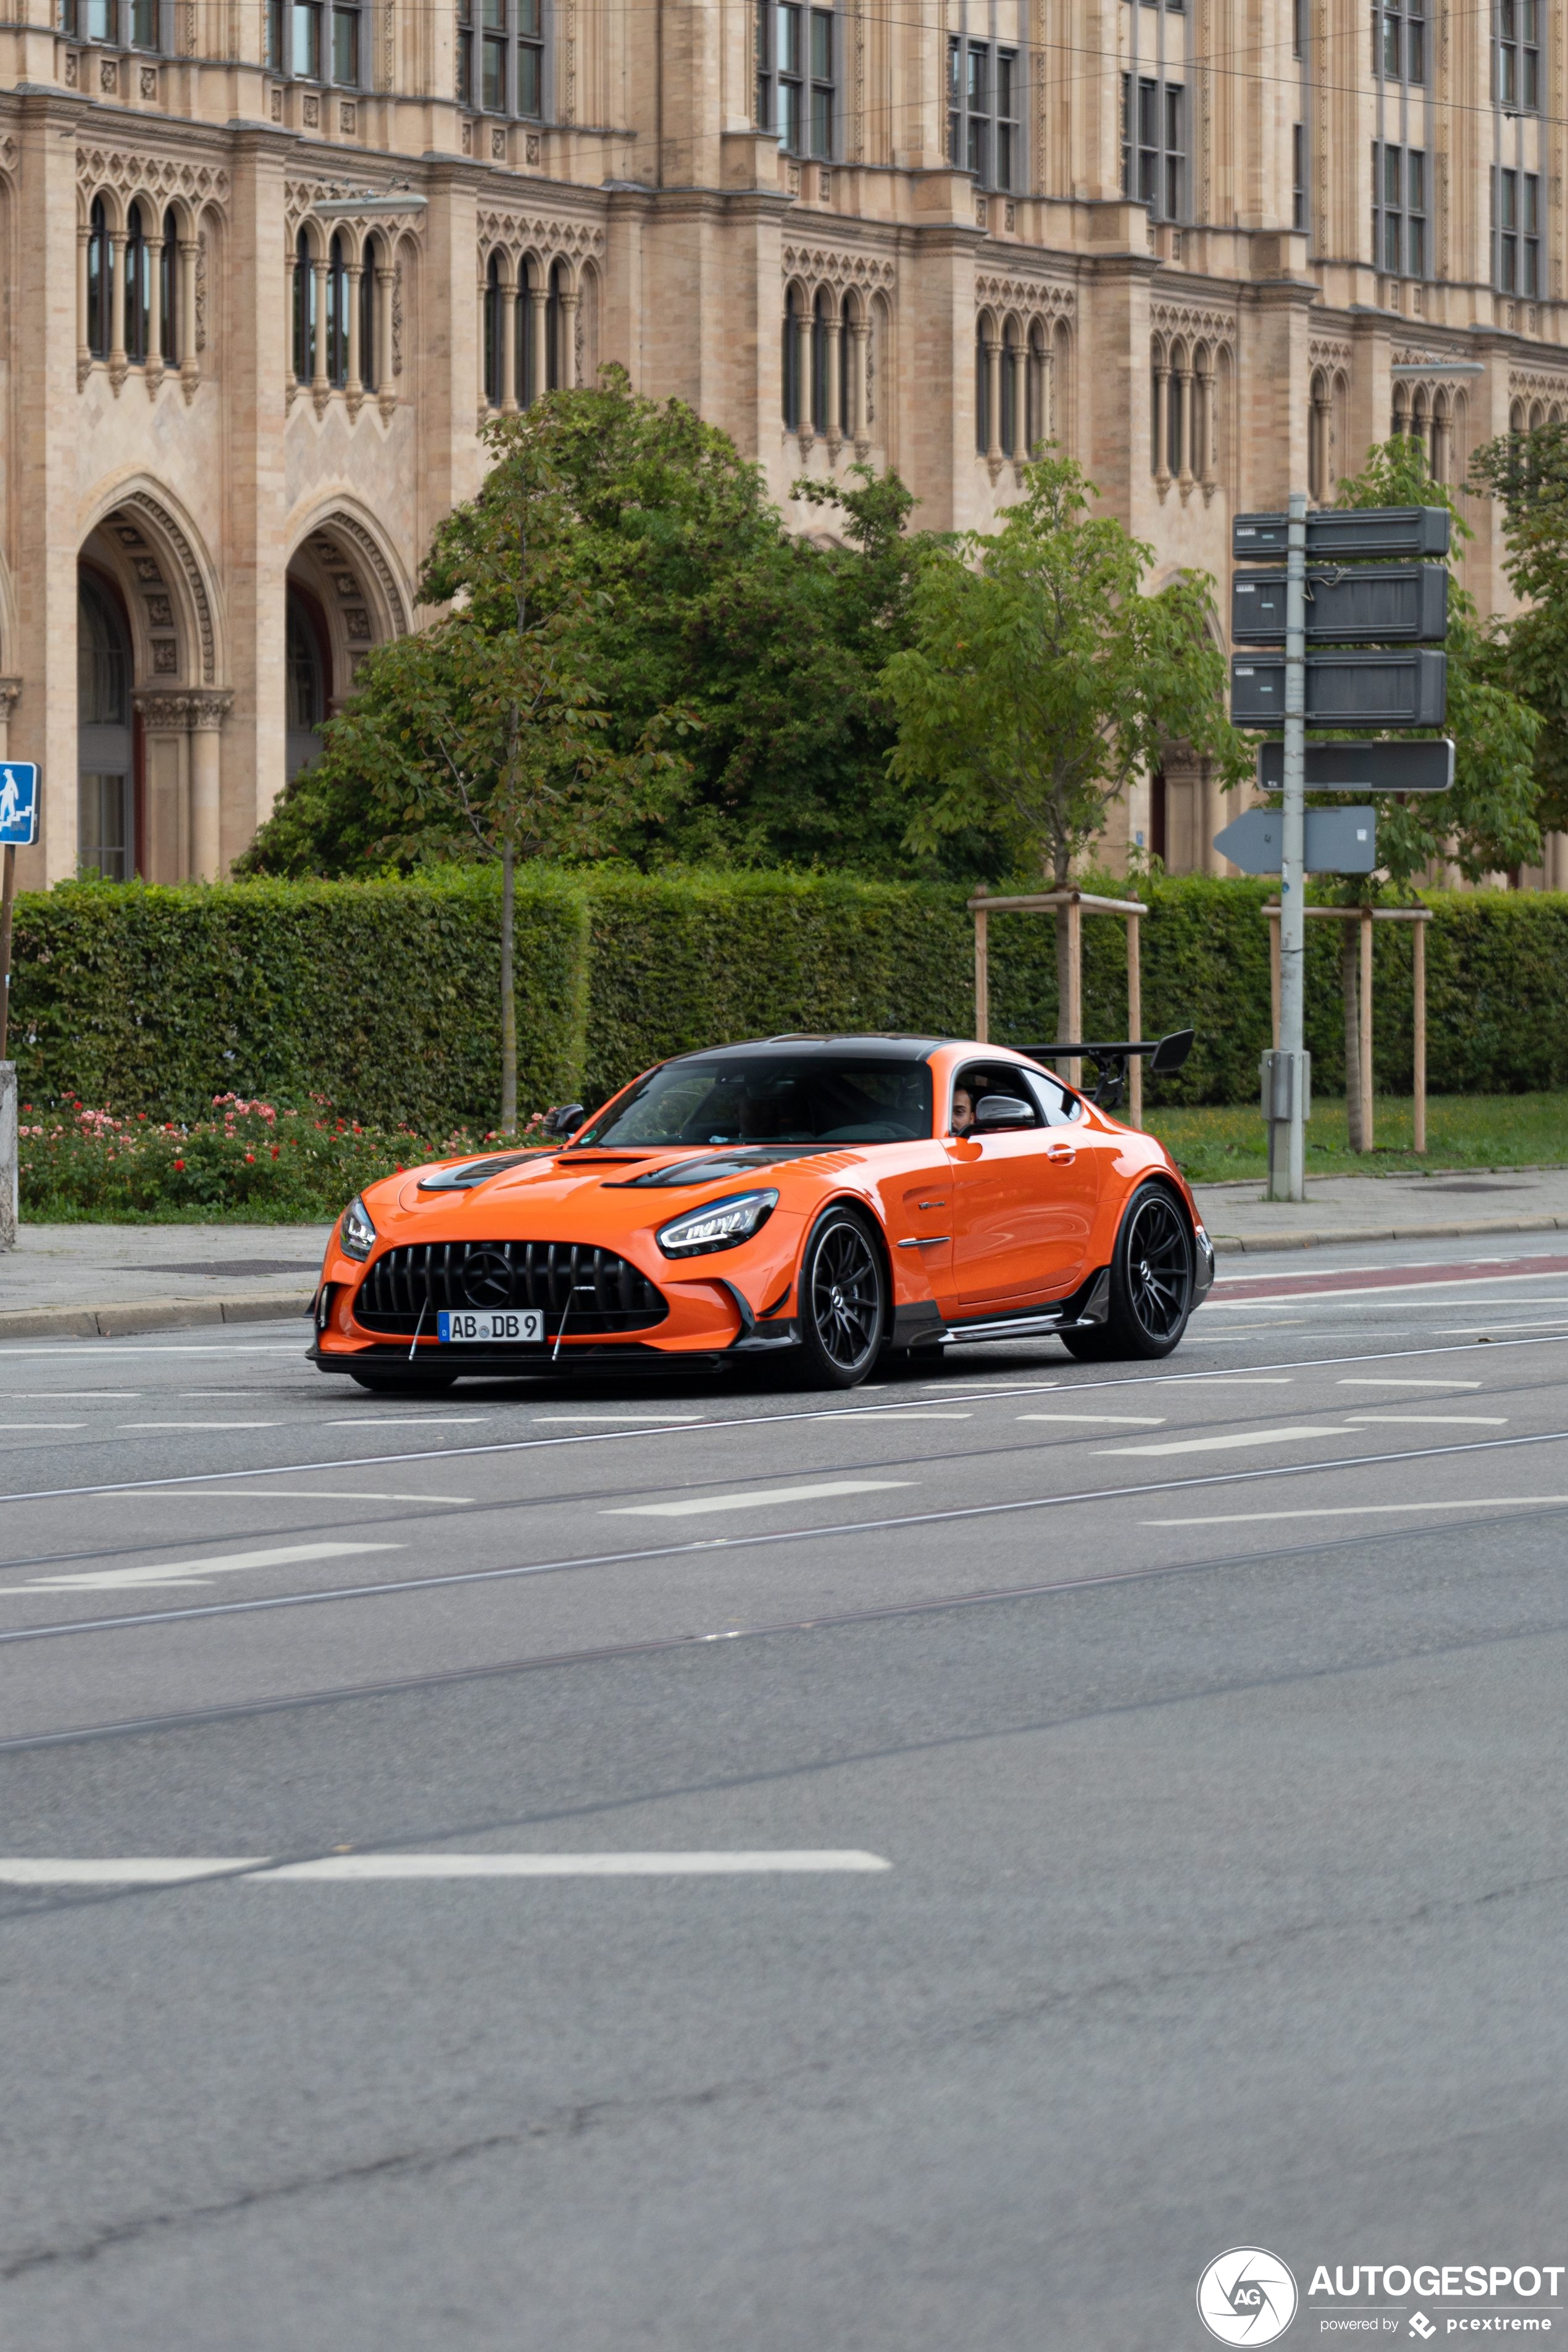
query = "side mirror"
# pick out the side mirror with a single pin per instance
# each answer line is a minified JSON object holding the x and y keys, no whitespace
{"x":993,"y":1111}
{"x":563,"y":1118}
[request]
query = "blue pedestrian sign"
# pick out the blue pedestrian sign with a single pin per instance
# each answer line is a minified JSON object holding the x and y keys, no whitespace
{"x":19,"y":803}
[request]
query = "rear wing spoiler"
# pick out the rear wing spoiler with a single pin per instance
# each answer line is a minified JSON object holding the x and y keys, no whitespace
{"x":1165,"y":1055}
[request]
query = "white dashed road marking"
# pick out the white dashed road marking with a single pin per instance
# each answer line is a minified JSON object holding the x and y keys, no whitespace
{"x":757,"y":1498}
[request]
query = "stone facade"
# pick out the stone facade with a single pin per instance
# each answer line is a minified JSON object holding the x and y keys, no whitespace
{"x":255,"y":315}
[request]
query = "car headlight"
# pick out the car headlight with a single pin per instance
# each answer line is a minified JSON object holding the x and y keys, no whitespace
{"x":356,"y":1234}
{"x":718,"y":1226}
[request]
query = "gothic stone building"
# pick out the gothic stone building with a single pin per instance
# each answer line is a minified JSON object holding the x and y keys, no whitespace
{"x":270,"y":262}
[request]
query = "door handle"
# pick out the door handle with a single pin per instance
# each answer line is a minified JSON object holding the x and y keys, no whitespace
{"x":1061,"y":1155}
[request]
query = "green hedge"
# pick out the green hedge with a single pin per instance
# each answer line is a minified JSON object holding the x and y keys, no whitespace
{"x":380,"y":996}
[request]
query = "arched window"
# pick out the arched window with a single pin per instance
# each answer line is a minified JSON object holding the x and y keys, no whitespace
{"x":1037,"y":425}
{"x":337,"y":314}
{"x":848,"y":420}
{"x":790,"y":370}
{"x":367,"y":300}
{"x":105,"y":793}
{"x":492,"y":332}
{"x":1173,"y":412}
{"x":557,"y":365}
{"x":522,"y":330}
{"x":1009,"y":390}
{"x":100,"y":271}
{"x":981,"y":416}
{"x":138,"y":289}
{"x":304,"y":311}
{"x":169,"y":280}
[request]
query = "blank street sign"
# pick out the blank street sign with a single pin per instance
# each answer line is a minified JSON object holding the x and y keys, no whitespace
{"x":1339,"y":841}
{"x":1344,"y":689}
{"x":1371,"y":604}
{"x":1426,"y":765}
{"x":1342,"y":532}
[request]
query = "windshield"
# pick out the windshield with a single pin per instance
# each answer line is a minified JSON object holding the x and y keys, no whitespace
{"x":772,"y":1099}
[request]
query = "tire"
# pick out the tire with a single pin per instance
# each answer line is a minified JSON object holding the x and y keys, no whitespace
{"x":843,"y":1301}
{"x":384,"y":1381}
{"x":1152,"y":1275}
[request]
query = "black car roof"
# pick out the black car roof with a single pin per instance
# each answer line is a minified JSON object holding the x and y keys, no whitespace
{"x":881,"y":1045}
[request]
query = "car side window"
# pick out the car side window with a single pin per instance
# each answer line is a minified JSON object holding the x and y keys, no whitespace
{"x":1059,"y":1107}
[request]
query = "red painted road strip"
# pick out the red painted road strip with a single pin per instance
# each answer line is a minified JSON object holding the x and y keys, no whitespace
{"x":1388,"y":1277}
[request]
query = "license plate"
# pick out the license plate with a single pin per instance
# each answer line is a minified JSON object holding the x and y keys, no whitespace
{"x":457,"y":1324}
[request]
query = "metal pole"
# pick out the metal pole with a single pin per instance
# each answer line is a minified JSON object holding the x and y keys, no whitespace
{"x":7,"y":896}
{"x":1419,"y":977}
{"x":982,"y":977}
{"x":1134,"y":1023}
{"x":1287,"y":1181}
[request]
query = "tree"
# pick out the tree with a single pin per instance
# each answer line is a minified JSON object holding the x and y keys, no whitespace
{"x":1041,"y":678}
{"x":483,"y":736}
{"x":1529,"y":473}
{"x":1486,"y":821}
{"x":689,"y":591}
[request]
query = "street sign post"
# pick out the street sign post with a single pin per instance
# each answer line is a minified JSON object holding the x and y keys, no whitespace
{"x":1426,"y":765}
{"x":1337,"y":841}
{"x":18,"y":830}
{"x":1371,"y":667}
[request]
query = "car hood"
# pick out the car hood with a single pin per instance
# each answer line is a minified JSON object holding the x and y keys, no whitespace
{"x":551,"y":1179}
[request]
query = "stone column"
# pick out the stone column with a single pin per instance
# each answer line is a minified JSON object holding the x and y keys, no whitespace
{"x":353,"y":391}
{"x":993,"y":402}
{"x":566,"y":361}
{"x":860,"y":328}
{"x":165,"y":847}
{"x":1020,"y":356}
{"x":154,"y":362}
{"x":207,"y":712}
{"x":10,"y":687}
{"x":834,"y":421}
{"x":808,"y":378}
{"x":539,"y":296}
{"x":508,"y":332}
{"x":190,"y":367}
{"x":118,"y":364}
{"x":1163,"y":427}
{"x":321,"y":382}
{"x":1205,"y":432}
{"x":83,"y":351}
{"x":385,"y":279}
{"x":1185,"y":428}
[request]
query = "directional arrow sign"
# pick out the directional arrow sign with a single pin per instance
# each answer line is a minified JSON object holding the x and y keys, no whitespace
{"x":1424,"y":766}
{"x":1339,"y":841}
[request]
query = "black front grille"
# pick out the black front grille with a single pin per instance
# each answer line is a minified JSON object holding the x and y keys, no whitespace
{"x":592,"y":1289}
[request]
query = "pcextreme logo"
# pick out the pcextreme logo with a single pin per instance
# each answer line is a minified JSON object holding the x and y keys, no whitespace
{"x":1246,"y":2296}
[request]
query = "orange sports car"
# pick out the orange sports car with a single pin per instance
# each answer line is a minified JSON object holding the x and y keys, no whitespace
{"x":833,"y":1198}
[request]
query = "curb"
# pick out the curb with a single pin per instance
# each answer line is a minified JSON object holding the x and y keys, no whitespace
{"x":133,"y":1316}
{"x":1261,"y":1245}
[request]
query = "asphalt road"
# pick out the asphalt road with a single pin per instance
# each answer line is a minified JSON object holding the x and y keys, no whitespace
{"x":1123,"y":1816}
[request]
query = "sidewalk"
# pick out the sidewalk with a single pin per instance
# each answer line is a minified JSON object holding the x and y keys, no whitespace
{"x":110,"y":1281}
{"x":1385,"y":1208}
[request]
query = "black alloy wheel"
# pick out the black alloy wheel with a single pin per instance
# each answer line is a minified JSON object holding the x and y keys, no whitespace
{"x":1150,"y":1282}
{"x":843,"y":1295}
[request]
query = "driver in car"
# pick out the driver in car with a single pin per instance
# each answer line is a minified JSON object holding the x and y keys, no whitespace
{"x":962,"y":1111}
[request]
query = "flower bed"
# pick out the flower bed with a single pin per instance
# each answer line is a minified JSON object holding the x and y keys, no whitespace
{"x":248,"y":1161}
